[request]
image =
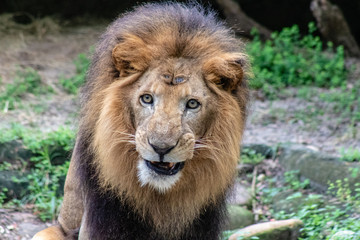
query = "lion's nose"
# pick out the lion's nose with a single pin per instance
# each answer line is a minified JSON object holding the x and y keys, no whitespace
{"x":162,"y":151}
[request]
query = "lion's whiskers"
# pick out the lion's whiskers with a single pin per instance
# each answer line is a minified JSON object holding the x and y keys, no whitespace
{"x":207,"y":144}
{"x":127,"y":138}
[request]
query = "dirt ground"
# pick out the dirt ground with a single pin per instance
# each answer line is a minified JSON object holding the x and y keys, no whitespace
{"x":52,"y":56}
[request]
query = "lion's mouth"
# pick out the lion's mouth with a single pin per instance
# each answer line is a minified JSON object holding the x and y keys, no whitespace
{"x":165,"y":168}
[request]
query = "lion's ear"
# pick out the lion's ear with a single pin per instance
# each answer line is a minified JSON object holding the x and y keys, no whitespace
{"x":226,"y":70}
{"x":131,"y":55}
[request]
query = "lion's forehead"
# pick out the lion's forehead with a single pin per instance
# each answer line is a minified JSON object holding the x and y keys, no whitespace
{"x":161,"y":88}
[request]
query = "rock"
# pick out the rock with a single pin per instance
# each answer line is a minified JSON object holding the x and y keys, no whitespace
{"x":239,"y":217}
{"x":345,"y":235}
{"x":13,"y":152}
{"x":28,"y":230}
{"x":240,"y":195}
{"x":291,"y":201}
{"x":319,"y":168}
{"x":279,"y":230}
{"x":265,"y":150}
{"x":15,"y":189}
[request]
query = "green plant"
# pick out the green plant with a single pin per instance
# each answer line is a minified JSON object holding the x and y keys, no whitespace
{"x":350,"y":154}
{"x":72,"y":85}
{"x":321,"y":218}
{"x":3,"y":196}
{"x":292,"y":180}
{"x":5,"y":166}
{"x":346,"y":101}
{"x":27,"y":81}
{"x":227,"y":234}
{"x":341,"y":189}
{"x":13,"y":132}
{"x":250,"y":156}
{"x":45,"y":178}
{"x":288,"y":59}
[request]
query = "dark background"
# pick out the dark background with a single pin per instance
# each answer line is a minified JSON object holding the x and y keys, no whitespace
{"x":274,"y":14}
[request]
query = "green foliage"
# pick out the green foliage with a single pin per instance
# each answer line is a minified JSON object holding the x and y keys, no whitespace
{"x":293,"y":182}
{"x":45,"y":178}
{"x":227,"y":234}
{"x":321,"y":219}
{"x":15,"y":131}
{"x":5,"y":166}
{"x":341,"y":189}
{"x":346,"y":102}
{"x":26,"y":81}
{"x":72,"y":85}
{"x":350,"y":154}
{"x":3,"y":196}
{"x":288,"y":59}
{"x":250,"y":156}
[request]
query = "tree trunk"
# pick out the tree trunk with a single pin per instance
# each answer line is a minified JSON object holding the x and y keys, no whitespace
{"x":333,"y":26}
{"x":239,"y":21}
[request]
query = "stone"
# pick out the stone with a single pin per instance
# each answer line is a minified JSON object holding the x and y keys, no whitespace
{"x":290,"y":201}
{"x":279,"y":230}
{"x":319,"y":168}
{"x":240,"y":195}
{"x":28,"y":230}
{"x":13,"y":152}
{"x":239,"y":217}
{"x":265,"y":150}
{"x":15,"y":189}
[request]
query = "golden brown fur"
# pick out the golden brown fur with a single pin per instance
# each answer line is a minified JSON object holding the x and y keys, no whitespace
{"x":132,"y":49}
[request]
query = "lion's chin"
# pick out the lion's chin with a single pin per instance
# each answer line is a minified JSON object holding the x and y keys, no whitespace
{"x":160,"y":176}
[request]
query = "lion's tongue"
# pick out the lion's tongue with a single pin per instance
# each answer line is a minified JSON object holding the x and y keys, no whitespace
{"x":164,"y":165}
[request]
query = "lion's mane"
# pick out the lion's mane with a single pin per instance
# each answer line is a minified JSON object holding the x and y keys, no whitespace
{"x":107,"y":163}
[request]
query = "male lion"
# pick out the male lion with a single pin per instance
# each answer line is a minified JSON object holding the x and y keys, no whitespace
{"x":163,"y":112}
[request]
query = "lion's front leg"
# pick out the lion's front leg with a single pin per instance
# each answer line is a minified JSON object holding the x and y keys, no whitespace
{"x":51,"y":233}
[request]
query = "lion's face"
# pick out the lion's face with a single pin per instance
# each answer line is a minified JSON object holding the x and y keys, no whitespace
{"x":171,"y":106}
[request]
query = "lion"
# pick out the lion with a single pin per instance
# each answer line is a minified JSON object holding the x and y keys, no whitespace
{"x":163,"y":113}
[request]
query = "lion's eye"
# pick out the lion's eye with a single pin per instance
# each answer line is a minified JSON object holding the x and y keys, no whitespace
{"x":167,"y":76}
{"x":192,"y":104}
{"x":147,"y":99}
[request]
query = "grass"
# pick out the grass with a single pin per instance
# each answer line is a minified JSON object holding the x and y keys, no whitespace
{"x":249,"y":156}
{"x":46,"y":175}
{"x":27,"y":81}
{"x":72,"y":85}
{"x":288,"y":59}
{"x":291,"y":60}
{"x":350,"y":154}
{"x":322,"y":216}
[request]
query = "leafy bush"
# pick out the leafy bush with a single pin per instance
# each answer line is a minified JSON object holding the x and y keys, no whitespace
{"x":288,"y":59}
{"x":26,"y":81}
{"x":46,"y":178}
{"x":350,"y":154}
{"x":72,"y":85}
{"x":322,"y":218}
{"x":250,"y":156}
